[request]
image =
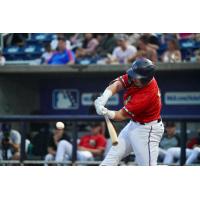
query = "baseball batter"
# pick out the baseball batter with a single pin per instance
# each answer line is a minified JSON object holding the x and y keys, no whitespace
{"x":142,"y":105}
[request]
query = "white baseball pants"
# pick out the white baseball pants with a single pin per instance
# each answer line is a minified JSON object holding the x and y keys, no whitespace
{"x":143,"y":140}
{"x":193,"y":156}
{"x":174,"y":153}
{"x":65,"y":149}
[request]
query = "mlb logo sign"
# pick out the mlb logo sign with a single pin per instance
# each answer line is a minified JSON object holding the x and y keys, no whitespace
{"x":65,"y":99}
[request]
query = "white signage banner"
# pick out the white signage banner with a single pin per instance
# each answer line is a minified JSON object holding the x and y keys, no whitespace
{"x":182,"y":98}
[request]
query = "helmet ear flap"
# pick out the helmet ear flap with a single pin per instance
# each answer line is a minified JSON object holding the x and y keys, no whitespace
{"x":130,"y":80}
{"x":145,"y":81}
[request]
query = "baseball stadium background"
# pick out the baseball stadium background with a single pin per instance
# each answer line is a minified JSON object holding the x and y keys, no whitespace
{"x":31,"y":86}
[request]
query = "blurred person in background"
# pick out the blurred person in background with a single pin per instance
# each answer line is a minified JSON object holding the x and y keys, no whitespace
{"x":107,"y":43}
{"x":170,"y":139}
{"x":181,"y":36}
{"x":90,"y":146}
{"x":173,"y":54}
{"x":47,"y":54}
{"x":123,"y":52}
{"x":194,"y":145}
{"x":197,"y":37}
{"x":173,"y":153}
{"x":10,"y":140}
{"x":76,"y":40}
{"x":133,"y":38}
{"x":55,"y":41}
{"x":165,"y":37}
{"x":95,"y":142}
{"x":153,"y":40}
{"x":62,"y":55}
{"x":2,"y":59}
{"x":57,"y":136}
{"x":89,"y":46}
{"x":196,"y":56}
{"x":16,"y":39}
{"x":144,"y":50}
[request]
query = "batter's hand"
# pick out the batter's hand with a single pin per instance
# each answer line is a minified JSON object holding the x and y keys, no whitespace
{"x":103,"y":110}
{"x":99,"y":108}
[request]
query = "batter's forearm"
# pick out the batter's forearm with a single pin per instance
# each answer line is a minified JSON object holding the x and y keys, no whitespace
{"x":117,"y":115}
{"x":109,"y":92}
{"x":115,"y":87}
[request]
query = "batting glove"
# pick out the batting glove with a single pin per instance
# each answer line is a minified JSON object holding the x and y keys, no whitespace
{"x":104,"y":111}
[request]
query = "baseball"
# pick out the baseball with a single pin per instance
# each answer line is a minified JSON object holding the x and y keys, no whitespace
{"x":60,"y":125}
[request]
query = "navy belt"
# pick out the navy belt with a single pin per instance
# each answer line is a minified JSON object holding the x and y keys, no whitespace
{"x":158,"y":121}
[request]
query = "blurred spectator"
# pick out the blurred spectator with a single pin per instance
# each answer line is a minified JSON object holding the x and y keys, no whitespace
{"x":107,"y":44}
{"x":196,"y":57}
{"x":153,"y":40}
{"x":9,"y":143}
{"x":57,"y":136}
{"x":63,"y":55}
{"x":133,"y":38}
{"x":55,"y":41}
{"x":173,"y":153}
{"x":76,"y":40}
{"x":194,"y":144}
{"x":18,"y":39}
{"x":192,"y":152}
{"x":170,"y":139}
{"x":47,"y":54}
{"x":91,"y":146}
{"x":185,"y":36}
{"x":145,"y":50}
{"x":2,"y":59}
{"x":197,"y":37}
{"x":89,"y":46}
{"x":165,"y":37}
{"x":173,"y":53}
{"x":95,"y":142}
{"x":123,"y":52}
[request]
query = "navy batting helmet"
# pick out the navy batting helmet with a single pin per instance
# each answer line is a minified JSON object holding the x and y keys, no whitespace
{"x":142,"y":69}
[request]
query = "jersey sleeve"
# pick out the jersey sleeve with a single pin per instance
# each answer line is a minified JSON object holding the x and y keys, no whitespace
{"x":136,"y":106}
{"x":124,"y":80}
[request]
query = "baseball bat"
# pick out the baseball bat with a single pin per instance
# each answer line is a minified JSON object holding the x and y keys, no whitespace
{"x":112,"y":131}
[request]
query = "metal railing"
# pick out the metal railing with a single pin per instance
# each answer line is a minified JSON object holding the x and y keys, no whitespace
{"x":24,"y":119}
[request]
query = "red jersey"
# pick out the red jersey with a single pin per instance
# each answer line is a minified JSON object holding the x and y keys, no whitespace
{"x":93,"y":141}
{"x":141,"y":104}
